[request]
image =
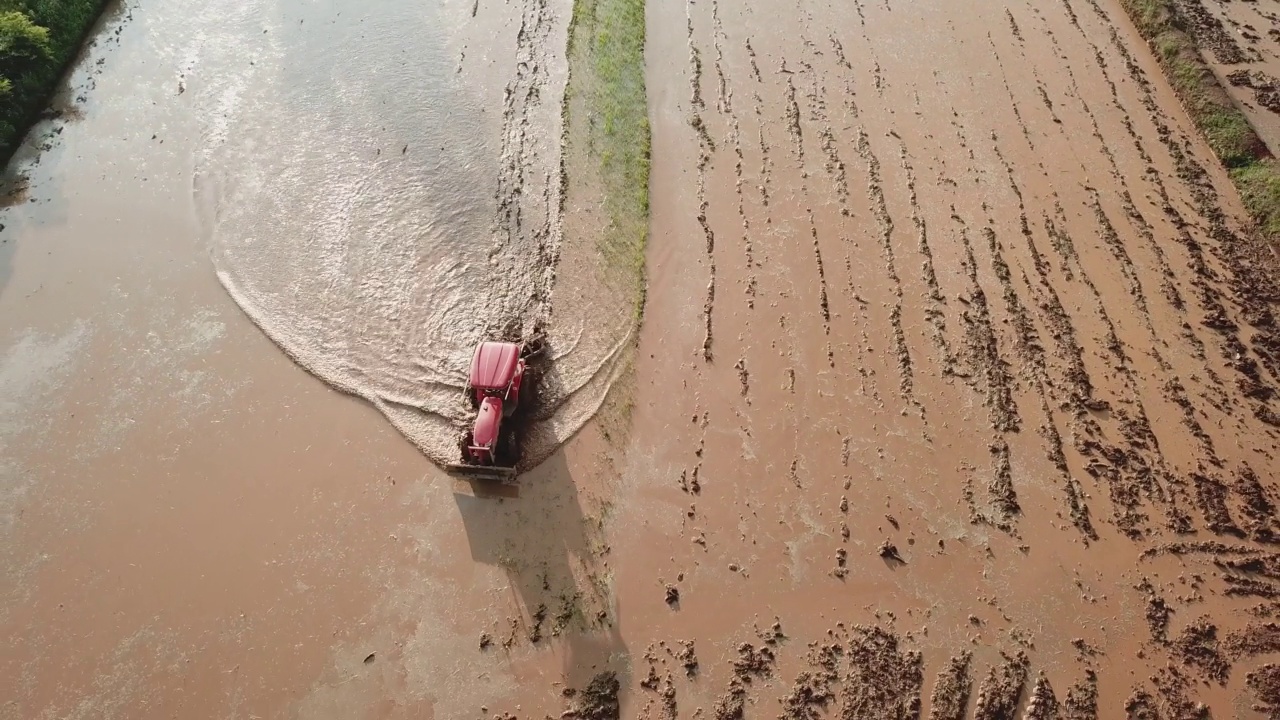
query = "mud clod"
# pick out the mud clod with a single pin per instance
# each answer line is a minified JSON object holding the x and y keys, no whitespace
{"x":688,"y":659}
{"x":814,"y":689}
{"x":598,"y":701}
{"x":535,"y":628}
{"x":753,"y":662}
{"x":999,"y":695}
{"x":951,"y":691}
{"x":1082,"y":699}
{"x":1197,"y":646}
{"x":1265,"y":685}
{"x":884,"y":680}
{"x":1043,"y":704}
{"x":889,"y":551}
{"x":1157,"y":613}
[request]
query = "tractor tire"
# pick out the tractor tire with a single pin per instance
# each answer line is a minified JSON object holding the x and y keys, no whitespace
{"x":508,"y":454}
{"x":529,"y":393}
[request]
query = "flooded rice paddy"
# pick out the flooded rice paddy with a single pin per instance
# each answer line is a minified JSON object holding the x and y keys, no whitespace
{"x":954,"y":395}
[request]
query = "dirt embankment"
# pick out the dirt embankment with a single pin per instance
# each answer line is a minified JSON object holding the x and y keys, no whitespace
{"x":974,"y":346}
{"x":1223,"y":58}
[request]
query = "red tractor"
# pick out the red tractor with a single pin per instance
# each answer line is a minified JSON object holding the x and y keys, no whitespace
{"x":493,"y":388}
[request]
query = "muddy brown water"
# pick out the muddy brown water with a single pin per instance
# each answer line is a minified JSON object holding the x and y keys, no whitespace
{"x":961,"y":281}
{"x":192,"y":524}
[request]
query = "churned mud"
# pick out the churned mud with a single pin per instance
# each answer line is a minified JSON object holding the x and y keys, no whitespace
{"x":959,"y":359}
{"x":377,"y":246}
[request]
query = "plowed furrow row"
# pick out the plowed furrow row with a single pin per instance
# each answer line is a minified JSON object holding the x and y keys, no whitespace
{"x":706,"y":147}
{"x":950,"y":698}
{"x":519,"y":150}
{"x":755,"y":67}
{"x":1061,"y":242}
{"x":748,"y":247}
{"x":1001,"y":692}
{"x":884,"y":234}
{"x":1013,"y":103}
{"x":816,"y":107}
{"x":793,"y":114}
{"x":935,"y":313}
{"x":1117,"y":247}
{"x":986,"y":369}
{"x":835,"y":167}
{"x":724,"y":98}
{"x":1246,"y":281}
{"x":824,"y":304}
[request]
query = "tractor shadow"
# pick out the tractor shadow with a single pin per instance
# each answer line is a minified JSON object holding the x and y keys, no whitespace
{"x":551,"y":549}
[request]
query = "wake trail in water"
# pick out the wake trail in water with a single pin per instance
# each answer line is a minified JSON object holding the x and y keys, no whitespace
{"x":378,"y":219}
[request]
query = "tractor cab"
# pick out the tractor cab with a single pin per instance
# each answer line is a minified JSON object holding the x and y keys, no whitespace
{"x":497,"y":371}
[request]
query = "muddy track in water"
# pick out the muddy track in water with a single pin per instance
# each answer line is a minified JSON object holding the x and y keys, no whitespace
{"x":1006,"y":355}
{"x":413,"y":256}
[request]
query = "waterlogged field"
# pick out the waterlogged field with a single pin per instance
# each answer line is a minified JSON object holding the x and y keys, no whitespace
{"x":953,"y":396}
{"x":958,"y":364}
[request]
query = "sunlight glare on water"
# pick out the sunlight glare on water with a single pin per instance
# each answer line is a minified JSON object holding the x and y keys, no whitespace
{"x":350,"y":181}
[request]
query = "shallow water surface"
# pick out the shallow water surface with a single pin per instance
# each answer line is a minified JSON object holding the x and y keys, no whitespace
{"x":379,"y":197}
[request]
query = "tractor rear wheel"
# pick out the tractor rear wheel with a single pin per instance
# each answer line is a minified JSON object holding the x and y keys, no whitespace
{"x":508,"y":450}
{"x":464,"y":447}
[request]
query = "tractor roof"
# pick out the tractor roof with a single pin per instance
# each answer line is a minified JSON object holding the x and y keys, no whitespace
{"x":494,"y":365}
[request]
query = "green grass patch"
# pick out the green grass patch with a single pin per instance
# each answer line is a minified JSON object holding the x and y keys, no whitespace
{"x":606,"y":107}
{"x":1224,"y":125}
{"x":607,"y":149}
{"x":38,"y":39}
{"x":1259,"y":185}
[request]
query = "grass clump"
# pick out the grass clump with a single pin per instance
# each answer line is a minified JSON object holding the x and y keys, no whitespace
{"x":606,"y":101}
{"x":606,"y":148}
{"x":1259,"y":185}
{"x":38,"y":38}
{"x":1224,"y":125}
{"x":1235,"y":142}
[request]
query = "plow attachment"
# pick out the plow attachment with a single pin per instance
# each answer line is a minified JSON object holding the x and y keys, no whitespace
{"x":493,"y":473}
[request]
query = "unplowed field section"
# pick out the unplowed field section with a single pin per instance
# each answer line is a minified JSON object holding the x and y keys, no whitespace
{"x":958,"y":363}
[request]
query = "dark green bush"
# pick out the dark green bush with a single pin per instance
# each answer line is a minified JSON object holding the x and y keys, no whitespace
{"x":38,"y":38}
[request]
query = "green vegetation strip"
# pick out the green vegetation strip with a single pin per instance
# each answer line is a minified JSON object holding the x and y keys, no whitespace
{"x":1233,"y":139}
{"x":606,"y":73}
{"x":38,"y":39}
